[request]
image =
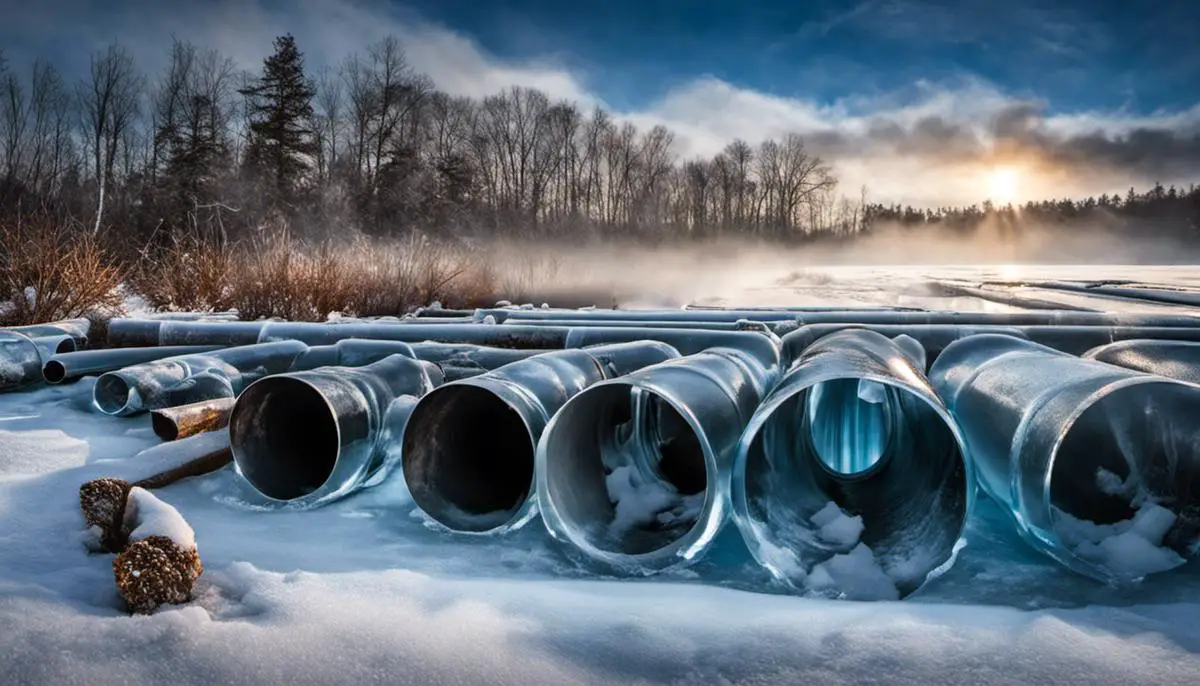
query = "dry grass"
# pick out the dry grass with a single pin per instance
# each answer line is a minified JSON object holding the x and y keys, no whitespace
{"x":280,"y":276}
{"x":51,"y":269}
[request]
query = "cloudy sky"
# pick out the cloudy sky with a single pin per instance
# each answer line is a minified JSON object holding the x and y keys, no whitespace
{"x":922,"y":101}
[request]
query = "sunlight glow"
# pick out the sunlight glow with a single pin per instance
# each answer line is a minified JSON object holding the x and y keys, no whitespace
{"x":1003,"y":185}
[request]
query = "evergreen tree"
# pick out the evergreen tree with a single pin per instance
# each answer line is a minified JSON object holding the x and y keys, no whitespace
{"x":283,"y":143}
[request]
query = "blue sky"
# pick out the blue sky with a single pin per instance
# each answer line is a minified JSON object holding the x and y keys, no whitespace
{"x":920,"y":100}
{"x":1081,"y":54}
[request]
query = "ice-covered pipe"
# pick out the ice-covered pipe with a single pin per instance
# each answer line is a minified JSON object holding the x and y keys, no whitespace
{"x":634,"y":472}
{"x":75,"y":328}
{"x":544,"y":337}
{"x":141,"y":333}
{"x":1172,"y":359}
{"x":732,"y":325}
{"x":1098,"y":465}
{"x":71,"y":366}
{"x":616,"y":317}
{"x":49,"y":346}
{"x":191,"y":378}
{"x":20,"y":355}
{"x":303,"y":439}
{"x":764,"y":346}
{"x":1032,"y":318}
{"x":468,"y":447}
{"x":352,"y":352}
{"x":851,"y":478}
{"x":1075,"y":340}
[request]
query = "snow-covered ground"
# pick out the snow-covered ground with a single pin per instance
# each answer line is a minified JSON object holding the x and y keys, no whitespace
{"x":363,"y":591}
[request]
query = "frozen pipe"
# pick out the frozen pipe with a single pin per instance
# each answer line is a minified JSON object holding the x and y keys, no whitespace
{"x":49,"y":346}
{"x":71,"y":366}
{"x":303,"y":439}
{"x":1075,"y":340}
{"x":468,"y":447}
{"x":349,"y":353}
{"x":804,"y":308}
{"x":764,"y":346}
{"x":140,"y":333}
{"x":544,"y":337}
{"x":20,"y":361}
{"x":732,"y":325}
{"x":1033,"y":318}
{"x":1096,"y":464}
{"x":851,"y":479}
{"x":617,"y":316}
{"x":191,"y":378}
{"x":75,"y":328}
{"x":1172,"y":359}
{"x":182,"y":421}
{"x":634,"y":472}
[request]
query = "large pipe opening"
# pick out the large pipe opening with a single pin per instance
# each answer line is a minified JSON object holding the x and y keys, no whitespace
{"x":626,"y":473}
{"x":111,"y":393}
{"x":285,"y":437}
{"x":854,"y":487}
{"x":1124,"y":485}
{"x":468,"y":458}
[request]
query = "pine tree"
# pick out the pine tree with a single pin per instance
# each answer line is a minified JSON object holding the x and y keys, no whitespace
{"x":283,"y":143}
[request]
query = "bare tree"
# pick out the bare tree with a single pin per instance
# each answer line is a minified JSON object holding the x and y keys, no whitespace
{"x":109,"y":103}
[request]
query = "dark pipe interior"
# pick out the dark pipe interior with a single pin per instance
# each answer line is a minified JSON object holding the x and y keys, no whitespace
{"x":600,"y":430}
{"x":66,"y":345}
{"x":284,"y":437}
{"x":1148,"y":431}
{"x":468,"y":458}
{"x":111,"y":393}
{"x":54,"y":371}
{"x":163,"y":427}
{"x":907,"y":482}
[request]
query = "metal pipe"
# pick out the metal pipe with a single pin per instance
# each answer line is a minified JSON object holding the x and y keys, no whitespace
{"x":303,"y":439}
{"x":851,"y":479}
{"x":71,"y":366}
{"x":634,"y":472}
{"x":468,"y":447}
{"x":1173,"y":359}
{"x":1099,"y":466}
{"x":182,"y":421}
{"x":618,"y":317}
{"x":75,"y":328}
{"x":49,"y":346}
{"x":764,"y":346}
{"x":1075,"y":340}
{"x":138,"y":333}
{"x":630,"y":323}
{"x":191,"y":378}
{"x":20,"y":356}
{"x":353,"y":352}
{"x":544,"y":337}
{"x":1035,"y":318}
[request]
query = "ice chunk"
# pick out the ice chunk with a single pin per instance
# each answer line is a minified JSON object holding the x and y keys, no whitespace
{"x":836,"y":527}
{"x":1131,"y":549}
{"x":871,"y":391}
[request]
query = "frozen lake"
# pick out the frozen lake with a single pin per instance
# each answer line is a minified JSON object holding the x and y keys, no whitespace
{"x":364,"y":591}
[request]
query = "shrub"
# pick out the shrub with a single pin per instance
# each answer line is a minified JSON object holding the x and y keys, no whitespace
{"x":52,"y":269}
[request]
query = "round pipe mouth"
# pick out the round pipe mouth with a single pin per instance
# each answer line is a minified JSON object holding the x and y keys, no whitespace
{"x":66,"y":345}
{"x":1122,"y":487}
{"x":626,"y":474}
{"x":467,"y":457}
{"x":285,"y":438}
{"x":112,"y":394}
{"x":853,"y":486}
{"x":54,"y":372}
{"x":164,"y":427}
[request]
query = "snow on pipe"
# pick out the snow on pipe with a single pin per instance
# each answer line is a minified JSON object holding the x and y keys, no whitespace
{"x":468,"y":447}
{"x":1076,"y":340}
{"x":633,"y":473}
{"x":182,"y":421}
{"x":851,"y":479}
{"x":1097,"y":464}
{"x":303,"y":439}
{"x":1173,"y":359}
{"x":70,"y":366}
{"x":75,"y":328}
{"x":191,"y":378}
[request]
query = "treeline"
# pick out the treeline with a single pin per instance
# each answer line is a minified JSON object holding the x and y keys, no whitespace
{"x":372,"y":146}
{"x":1166,"y":210}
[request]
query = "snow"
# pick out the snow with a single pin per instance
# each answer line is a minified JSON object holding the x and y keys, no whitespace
{"x":363,"y":591}
{"x":147,"y":515}
{"x":837,"y":527}
{"x":640,"y":502}
{"x":855,"y":575}
{"x":1131,"y":548}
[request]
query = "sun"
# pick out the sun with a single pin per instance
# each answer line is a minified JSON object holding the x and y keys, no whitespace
{"x":1003,"y":185}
